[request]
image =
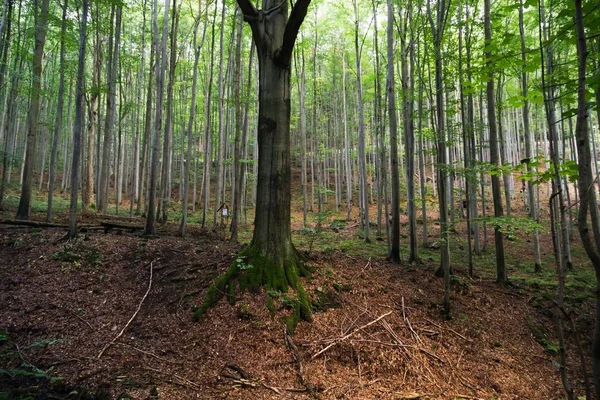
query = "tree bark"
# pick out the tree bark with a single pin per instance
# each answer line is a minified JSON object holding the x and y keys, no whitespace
{"x":239,"y":145}
{"x":190,"y":124}
{"x":364,"y":183}
{"x":41,"y":25}
{"x":494,"y":156}
{"x":394,"y":254}
{"x":161,"y":55}
{"x":437,"y":29}
{"x":167,"y":159}
{"x":533,"y":212}
{"x":59,"y":112}
{"x":79,"y":120}
{"x":275,"y":262}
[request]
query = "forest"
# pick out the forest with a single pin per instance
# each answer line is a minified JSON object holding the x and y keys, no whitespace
{"x":366,"y":199}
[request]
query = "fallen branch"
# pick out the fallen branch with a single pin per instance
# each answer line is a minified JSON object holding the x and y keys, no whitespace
{"x":244,"y":380}
{"x":149,"y":353}
{"x":447,"y":329}
{"x":299,"y":370}
{"x":182,"y":381}
{"x":431,"y":355}
{"x":42,"y":224}
{"x":407,"y":322}
{"x":350,"y":334}
{"x":132,"y":317}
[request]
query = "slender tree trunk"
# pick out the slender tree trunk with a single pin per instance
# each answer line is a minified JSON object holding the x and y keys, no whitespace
{"x":59,"y":111}
{"x":190,"y":124}
{"x":302,"y":95}
{"x":41,"y":25}
{"x":467,"y":131}
{"x":161,"y":63}
{"x":364,"y":184}
{"x":222,"y":135}
{"x":346,"y":144}
{"x":437,"y":29}
{"x":9,"y":121}
{"x":147,"y":139}
{"x":79,"y":120}
{"x":207,"y":129}
{"x":394,"y":254}
{"x":407,"y":51}
{"x":167,"y":159}
{"x":135,"y":172}
{"x":377,"y":111}
{"x":238,"y":149}
{"x":503,"y":139}
{"x":494,"y":156}
{"x":533,"y":212}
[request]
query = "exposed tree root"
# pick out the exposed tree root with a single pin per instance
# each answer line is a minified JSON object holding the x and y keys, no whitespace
{"x":253,"y":270}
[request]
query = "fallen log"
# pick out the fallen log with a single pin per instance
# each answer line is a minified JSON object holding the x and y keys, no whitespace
{"x":110,"y":217}
{"x":35,"y":224}
{"x":110,"y":225}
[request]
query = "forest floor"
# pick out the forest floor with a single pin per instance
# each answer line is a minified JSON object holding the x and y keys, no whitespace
{"x":378,"y":329}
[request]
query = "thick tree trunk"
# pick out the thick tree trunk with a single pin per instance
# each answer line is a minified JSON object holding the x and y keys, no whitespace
{"x":274,"y":260}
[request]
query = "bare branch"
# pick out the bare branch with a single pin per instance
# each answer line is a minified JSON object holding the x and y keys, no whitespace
{"x":249,"y":11}
{"x":291,"y":30}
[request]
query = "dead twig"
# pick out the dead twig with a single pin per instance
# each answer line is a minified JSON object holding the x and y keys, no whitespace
{"x":431,"y":355}
{"x":181,"y":381}
{"x":448,"y":329}
{"x":75,"y":315}
{"x":148,"y":353}
{"x":343,"y":338}
{"x":132,"y":317}
{"x":407,"y":322}
{"x":299,"y":370}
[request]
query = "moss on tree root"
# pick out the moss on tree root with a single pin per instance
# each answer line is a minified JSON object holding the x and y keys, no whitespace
{"x":252,"y":270}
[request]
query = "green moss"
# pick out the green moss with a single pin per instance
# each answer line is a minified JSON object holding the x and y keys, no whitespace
{"x":252,"y":270}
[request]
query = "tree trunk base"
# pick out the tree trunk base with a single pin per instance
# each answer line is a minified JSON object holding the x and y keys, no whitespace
{"x":253,"y":270}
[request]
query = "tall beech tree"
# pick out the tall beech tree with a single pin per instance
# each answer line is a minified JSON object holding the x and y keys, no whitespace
{"x":40,"y":18}
{"x":59,"y":113}
{"x":494,"y":156}
{"x":161,"y":65}
{"x":79,"y":120}
{"x":271,"y":259}
{"x":588,"y":202}
{"x":437,"y":29}
{"x":394,"y":254}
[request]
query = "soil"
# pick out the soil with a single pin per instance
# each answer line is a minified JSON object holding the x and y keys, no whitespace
{"x":378,"y":329}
